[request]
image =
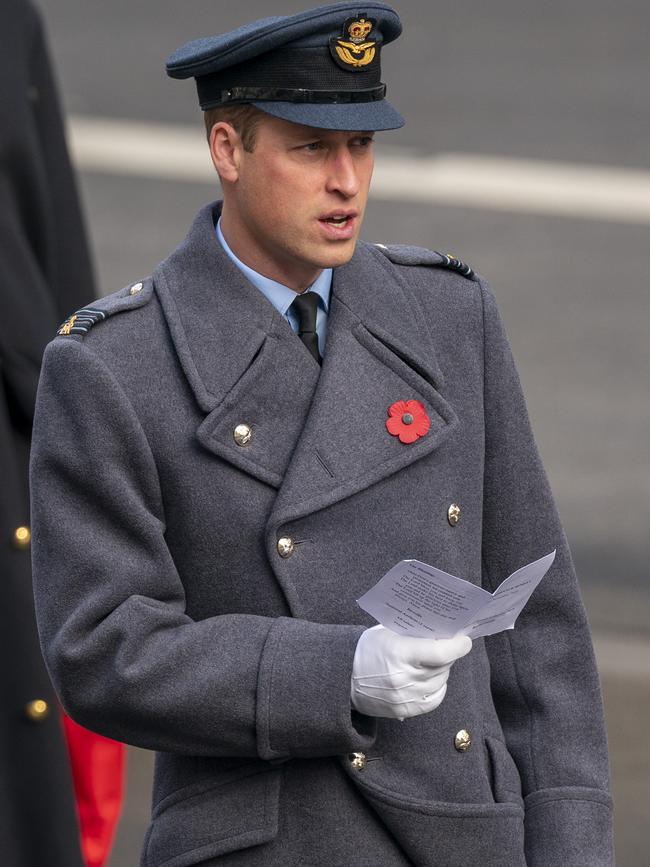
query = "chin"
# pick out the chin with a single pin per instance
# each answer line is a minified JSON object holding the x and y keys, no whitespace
{"x":336,"y":256}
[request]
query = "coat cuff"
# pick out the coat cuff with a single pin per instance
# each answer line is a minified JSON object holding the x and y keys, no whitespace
{"x":303,"y":692}
{"x":571,"y":826}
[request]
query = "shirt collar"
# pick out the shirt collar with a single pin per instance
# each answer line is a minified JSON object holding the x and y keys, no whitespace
{"x":278,"y":294}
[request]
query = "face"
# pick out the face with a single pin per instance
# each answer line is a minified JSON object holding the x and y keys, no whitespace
{"x":296,"y":203}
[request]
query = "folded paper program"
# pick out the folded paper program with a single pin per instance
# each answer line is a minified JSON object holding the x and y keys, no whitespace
{"x":419,"y":600}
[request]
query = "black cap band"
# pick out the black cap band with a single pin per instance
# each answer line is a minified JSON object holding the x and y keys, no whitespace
{"x":284,"y":94}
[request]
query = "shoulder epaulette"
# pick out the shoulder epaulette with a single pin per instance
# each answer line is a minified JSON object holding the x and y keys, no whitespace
{"x":129,"y":298}
{"x":402,"y":254}
{"x":81,"y":321}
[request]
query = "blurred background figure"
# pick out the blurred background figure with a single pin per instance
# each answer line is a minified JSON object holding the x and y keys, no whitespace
{"x":45,"y":273}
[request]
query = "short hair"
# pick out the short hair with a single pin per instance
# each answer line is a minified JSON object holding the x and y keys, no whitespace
{"x":243,"y":117}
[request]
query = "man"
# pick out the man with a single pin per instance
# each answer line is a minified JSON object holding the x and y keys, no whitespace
{"x":209,"y":500}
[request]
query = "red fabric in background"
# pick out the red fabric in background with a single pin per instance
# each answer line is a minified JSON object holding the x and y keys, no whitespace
{"x":98,"y":765}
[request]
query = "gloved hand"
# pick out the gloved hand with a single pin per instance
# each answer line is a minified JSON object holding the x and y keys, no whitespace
{"x":398,"y":676}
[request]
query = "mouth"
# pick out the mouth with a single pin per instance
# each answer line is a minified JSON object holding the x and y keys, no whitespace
{"x":339,"y":219}
{"x":339,"y":226}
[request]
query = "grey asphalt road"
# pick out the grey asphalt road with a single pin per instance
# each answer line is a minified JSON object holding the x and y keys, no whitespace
{"x":553,"y":81}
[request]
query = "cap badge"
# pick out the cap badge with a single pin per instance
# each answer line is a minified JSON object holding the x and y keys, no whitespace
{"x":351,"y":51}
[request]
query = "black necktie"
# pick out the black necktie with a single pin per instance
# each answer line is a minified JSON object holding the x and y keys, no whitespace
{"x":305,"y":306}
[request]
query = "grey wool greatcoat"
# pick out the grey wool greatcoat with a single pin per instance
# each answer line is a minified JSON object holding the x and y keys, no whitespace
{"x":169,"y":619}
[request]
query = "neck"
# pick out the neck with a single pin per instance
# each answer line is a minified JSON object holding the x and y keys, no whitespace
{"x":292,"y":273}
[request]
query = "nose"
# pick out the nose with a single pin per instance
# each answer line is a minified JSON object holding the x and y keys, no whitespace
{"x":343,"y":176}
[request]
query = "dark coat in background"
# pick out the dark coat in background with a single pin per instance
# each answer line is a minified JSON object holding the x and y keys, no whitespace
{"x":171,"y":620}
{"x":44,"y":270}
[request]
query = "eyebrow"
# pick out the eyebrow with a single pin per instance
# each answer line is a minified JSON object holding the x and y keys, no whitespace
{"x":318,"y":134}
{"x":292,"y":138}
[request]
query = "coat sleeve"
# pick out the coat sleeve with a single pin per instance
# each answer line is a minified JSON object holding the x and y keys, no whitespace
{"x":125,"y":658}
{"x":544,"y":679}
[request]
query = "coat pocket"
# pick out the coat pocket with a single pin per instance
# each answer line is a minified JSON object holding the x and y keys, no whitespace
{"x":206,"y":820}
{"x":441,"y":834}
{"x":504,"y":776}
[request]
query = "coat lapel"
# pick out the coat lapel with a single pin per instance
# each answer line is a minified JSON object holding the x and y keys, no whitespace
{"x":241,"y":359}
{"x":319,"y":436}
{"x":378,"y":351}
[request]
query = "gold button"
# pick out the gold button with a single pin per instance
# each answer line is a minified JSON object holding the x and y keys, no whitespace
{"x":358,"y":761}
{"x":37,"y":710}
{"x":285,"y":547}
{"x":137,"y":287}
{"x":22,"y":538}
{"x":453,"y":514}
{"x":463,"y":741}
{"x":243,"y":434}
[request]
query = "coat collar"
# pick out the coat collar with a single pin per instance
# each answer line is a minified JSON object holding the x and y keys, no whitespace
{"x":212,"y":311}
{"x":319,"y":435}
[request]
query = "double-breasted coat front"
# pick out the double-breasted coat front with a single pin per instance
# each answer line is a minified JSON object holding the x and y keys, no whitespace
{"x":170,"y":618}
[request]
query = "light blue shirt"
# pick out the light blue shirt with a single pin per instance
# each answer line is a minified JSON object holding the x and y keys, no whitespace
{"x":281,"y":297}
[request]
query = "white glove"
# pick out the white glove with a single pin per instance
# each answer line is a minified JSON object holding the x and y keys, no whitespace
{"x":398,"y":676}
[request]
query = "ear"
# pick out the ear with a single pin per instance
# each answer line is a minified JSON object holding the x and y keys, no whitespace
{"x":226,"y":151}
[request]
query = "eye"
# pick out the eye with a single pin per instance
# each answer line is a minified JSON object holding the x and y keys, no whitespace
{"x":362,"y":142}
{"x":312,"y":146}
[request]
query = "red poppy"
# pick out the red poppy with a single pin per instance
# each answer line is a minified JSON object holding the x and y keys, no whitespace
{"x":407,"y":420}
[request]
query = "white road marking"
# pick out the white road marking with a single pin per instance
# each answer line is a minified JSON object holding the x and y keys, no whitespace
{"x":519,"y":186}
{"x":152,"y":150}
{"x":125,"y":147}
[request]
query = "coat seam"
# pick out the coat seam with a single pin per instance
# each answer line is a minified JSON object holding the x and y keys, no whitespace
{"x":269,"y":709}
{"x":509,"y":638}
{"x":560,"y":799}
